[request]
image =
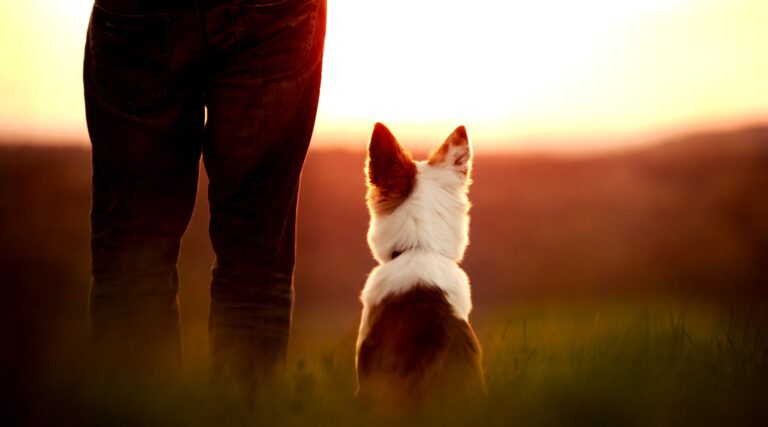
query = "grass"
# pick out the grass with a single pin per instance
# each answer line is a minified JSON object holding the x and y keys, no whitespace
{"x":578,"y":363}
{"x":651,"y":368}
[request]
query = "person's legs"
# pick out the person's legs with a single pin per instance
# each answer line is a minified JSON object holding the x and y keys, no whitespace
{"x":262,"y":100}
{"x":145,"y":119}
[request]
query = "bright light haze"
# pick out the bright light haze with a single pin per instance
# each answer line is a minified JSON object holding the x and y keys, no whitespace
{"x":522,"y":75}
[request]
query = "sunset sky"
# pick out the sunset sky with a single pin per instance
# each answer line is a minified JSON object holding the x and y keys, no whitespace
{"x":534,"y":75}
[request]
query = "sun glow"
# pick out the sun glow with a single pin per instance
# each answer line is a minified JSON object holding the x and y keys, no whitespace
{"x":41,"y":46}
{"x":550,"y":74}
{"x":546,"y":69}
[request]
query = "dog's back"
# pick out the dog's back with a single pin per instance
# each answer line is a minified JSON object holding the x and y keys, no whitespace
{"x":417,"y":347}
{"x":415,"y":341}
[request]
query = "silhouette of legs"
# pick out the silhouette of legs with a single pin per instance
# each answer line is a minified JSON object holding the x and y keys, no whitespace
{"x":150,"y":70}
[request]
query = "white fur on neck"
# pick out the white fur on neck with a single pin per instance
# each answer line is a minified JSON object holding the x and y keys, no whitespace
{"x":412,"y":268}
{"x":433,"y":217}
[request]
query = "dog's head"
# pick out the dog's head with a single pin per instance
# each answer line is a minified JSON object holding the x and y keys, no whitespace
{"x":418,"y":204}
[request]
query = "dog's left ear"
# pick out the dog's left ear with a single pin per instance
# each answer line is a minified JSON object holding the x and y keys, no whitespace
{"x":455,"y":153}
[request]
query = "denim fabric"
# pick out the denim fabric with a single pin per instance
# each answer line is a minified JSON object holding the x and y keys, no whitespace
{"x":151,"y":69}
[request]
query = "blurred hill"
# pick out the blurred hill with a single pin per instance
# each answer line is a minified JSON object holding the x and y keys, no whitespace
{"x":685,"y":217}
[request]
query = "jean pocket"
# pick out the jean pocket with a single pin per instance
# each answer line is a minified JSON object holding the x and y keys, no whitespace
{"x":278,"y":37}
{"x":129,"y":57}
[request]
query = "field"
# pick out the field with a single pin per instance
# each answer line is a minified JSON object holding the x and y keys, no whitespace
{"x":619,"y":289}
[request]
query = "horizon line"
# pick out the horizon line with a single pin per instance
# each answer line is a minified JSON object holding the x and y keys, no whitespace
{"x":580,"y":145}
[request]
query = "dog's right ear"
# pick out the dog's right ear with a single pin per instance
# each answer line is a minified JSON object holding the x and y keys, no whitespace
{"x":390,"y":168}
{"x":455,"y":153}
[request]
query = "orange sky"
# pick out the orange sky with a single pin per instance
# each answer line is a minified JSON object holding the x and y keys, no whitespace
{"x":543,"y":75}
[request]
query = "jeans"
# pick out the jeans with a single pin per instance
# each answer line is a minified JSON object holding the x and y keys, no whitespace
{"x":152,"y":68}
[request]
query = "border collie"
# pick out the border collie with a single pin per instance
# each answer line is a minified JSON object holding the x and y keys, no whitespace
{"x":415,"y":340}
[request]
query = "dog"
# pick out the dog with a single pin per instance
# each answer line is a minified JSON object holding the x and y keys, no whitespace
{"x":415,"y":340}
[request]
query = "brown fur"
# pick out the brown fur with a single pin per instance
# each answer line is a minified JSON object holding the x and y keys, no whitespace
{"x":391,"y":171}
{"x":417,"y":348}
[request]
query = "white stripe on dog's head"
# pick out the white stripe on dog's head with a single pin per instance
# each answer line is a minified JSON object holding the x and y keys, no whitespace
{"x":418,"y":204}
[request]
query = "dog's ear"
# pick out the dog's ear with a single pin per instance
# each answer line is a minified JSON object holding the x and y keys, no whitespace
{"x":390,"y":168}
{"x":454,"y":153}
